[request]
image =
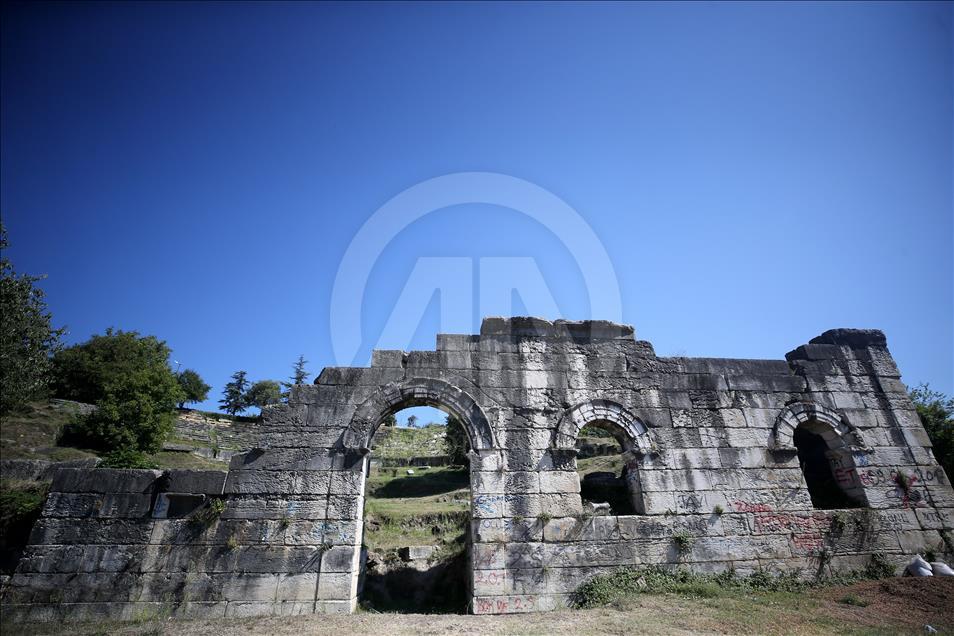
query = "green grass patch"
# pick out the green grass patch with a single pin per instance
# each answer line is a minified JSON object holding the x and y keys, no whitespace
{"x":428,"y":507}
{"x":626,"y":583}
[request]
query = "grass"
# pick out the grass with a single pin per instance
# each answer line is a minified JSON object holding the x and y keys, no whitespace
{"x":429,"y":507}
{"x":607,"y":463}
{"x":395,"y":442}
{"x":34,"y":431}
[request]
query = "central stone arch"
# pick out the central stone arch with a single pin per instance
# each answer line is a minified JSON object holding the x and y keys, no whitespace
{"x":834,"y":428}
{"x":629,"y":430}
{"x":418,"y":392}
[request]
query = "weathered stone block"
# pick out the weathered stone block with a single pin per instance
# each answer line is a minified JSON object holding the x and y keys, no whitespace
{"x":104,"y":480}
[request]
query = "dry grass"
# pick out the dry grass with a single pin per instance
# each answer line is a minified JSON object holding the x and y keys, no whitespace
{"x":896,"y":606}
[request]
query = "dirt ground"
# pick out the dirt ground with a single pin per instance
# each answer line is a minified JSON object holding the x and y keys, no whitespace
{"x":891,"y":606}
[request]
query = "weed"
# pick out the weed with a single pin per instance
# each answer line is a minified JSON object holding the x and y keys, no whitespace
{"x":902,"y":480}
{"x":544,"y":518}
{"x":718,"y":510}
{"x":878,"y":567}
{"x":208,"y":514}
{"x":854,"y":601}
{"x":232,"y":542}
{"x":838,"y":522}
{"x":283,"y":522}
{"x":683,"y":541}
{"x":930,"y":554}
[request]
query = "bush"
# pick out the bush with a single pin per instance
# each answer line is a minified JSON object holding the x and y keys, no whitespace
{"x":611,"y":588}
{"x":127,"y":458}
{"x":129,"y":379}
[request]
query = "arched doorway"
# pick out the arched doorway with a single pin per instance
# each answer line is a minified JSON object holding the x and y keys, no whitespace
{"x":825,"y":446}
{"x":609,"y":478}
{"x":417,"y":497}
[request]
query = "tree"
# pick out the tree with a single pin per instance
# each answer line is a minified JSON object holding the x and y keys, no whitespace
{"x":26,"y":337}
{"x":299,"y":375}
{"x":234,"y":395}
{"x":389,"y":420}
{"x":936,"y":411}
{"x":129,"y":380}
{"x":193,"y":387}
{"x":411,"y":421}
{"x":263,"y":393}
{"x":456,"y":442}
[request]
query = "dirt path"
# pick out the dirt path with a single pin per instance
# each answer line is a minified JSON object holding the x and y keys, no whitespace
{"x":892,"y":606}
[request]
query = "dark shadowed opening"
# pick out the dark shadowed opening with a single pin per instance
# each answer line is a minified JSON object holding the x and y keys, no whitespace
{"x":825,"y":492}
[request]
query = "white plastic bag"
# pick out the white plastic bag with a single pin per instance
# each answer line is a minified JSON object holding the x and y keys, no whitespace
{"x":918,"y":567}
{"x":941,"y":569}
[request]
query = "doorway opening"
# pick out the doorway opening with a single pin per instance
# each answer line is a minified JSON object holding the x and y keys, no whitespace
{"x":417,"y":515}
{"x":816,"y":459}
{"x":607,"y":484}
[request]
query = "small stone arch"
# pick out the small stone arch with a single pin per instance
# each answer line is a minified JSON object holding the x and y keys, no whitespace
{"x":418,"y":392}
{"x":629,"y":430}
{"x":835,"y":429}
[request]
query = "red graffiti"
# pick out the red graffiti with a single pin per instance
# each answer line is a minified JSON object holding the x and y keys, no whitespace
{"x":744,"y":506}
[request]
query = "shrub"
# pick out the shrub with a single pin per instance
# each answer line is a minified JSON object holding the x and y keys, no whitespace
{"x":611,"y":588}
{"x":127,"y":458}
{"x":208,"y":514}
{"x":683,"y":541}
{"x":129,"y":379}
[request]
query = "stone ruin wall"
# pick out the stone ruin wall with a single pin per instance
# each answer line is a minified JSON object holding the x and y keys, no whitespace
{"x":708,"y":444}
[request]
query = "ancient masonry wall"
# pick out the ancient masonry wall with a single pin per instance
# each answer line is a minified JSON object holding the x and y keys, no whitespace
{"x":712,"y":470}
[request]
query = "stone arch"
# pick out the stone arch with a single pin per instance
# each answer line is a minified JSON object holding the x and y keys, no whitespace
{"x":833,"y":427}
{"x":418,"y":392}
{"x":831,"y":475}
{"x":629,"y":430}
{"x":632,"y":435}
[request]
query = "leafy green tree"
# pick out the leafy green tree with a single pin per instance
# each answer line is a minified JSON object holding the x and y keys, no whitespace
{"x":389,"y":420}
{"x":456,"y":442}
{"x":26,"y":337}
{"x":234,"y":395}
{"x":194,"y":389}
{"x":127,"y":377}
{"x":264,"y":393}
{"x":936,"y":411}
{"x":83,"y":372}
{"x":411,"y":421}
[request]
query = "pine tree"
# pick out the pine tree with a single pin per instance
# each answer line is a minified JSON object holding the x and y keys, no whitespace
{"x":234,"y":395}
{"x":299,"y":375}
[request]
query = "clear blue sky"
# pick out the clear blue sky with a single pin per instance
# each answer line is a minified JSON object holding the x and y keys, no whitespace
{"x":757,"y":173}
